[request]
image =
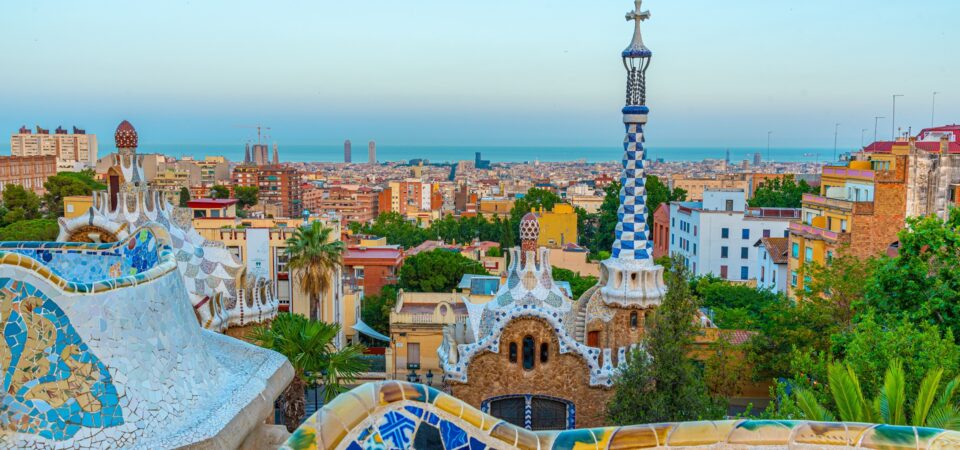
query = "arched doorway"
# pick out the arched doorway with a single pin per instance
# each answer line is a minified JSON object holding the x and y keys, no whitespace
{"x":533,"y":412}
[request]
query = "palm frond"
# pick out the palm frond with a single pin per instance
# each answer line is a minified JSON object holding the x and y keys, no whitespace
{"x":925,"y":396}
{"x":893,"y":395}
{"x":844,"y":390}
{"x":812,"y":409}
{"x":946,"y":417}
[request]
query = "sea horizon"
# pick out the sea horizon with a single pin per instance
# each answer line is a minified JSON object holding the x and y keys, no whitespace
{"x":302,"y":153}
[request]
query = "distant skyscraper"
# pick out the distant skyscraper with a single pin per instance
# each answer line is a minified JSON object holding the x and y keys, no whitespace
{"x":372,"y":152}
{"x":347,"y":151}
{"x":276,"y":155}
{"x":756,"y":159}
{"x":480,"y":163}
{"x":246,"y":154}
{"x":727,"y":159}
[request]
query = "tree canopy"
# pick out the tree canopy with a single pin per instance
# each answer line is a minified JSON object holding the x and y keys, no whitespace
{"x":782,"y":192}
{"x":31,"y":230}
{"x":63,"y":185}
{"x":436,"y":271}
{"x":219,"y":191}
{"x":19,"y":204}
{"x":247,"y":196}
{"x":578,"y":283}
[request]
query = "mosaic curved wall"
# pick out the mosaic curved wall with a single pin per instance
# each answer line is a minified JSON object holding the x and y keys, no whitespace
{"x":392,"y":414}
{"x":101,"y":349}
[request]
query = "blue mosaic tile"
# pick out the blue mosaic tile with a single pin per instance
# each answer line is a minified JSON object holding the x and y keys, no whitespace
{"x":453,"y":436}
{"x":55,"y":385}
{"x":396,"y":429}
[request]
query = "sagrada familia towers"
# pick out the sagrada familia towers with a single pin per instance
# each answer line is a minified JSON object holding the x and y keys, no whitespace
{"x":533,"y":353}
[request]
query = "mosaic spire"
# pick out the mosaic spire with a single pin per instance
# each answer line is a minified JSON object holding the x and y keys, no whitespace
{"x":632,"y":239}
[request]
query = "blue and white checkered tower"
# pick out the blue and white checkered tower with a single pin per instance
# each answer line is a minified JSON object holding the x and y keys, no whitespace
{"x":630,"y":277}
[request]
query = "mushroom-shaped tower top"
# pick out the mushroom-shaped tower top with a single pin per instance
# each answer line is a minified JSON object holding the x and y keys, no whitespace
{"x":126,"y":135}
{"x":529,"y":227}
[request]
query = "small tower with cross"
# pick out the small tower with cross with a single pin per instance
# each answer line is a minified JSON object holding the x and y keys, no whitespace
{"x":630,"y":277}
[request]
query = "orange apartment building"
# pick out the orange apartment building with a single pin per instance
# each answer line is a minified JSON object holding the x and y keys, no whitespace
{"x":27,"y":171}
{"x":661,"y":231}
{"x":280,"y":194}
{"x":859,"y":210}
{"x":351,"y":203}
{"x":372,"y":267}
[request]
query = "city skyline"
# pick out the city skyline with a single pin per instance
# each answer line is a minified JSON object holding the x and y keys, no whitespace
{"x":503,"y":74}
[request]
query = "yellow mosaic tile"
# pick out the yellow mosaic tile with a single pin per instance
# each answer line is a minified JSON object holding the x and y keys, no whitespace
{"x":948,"y":440}
{"x":504,"y":432}
{"x":449,"y":404}
{"x":526,"y":439}
{"x":367,"y":395}
{"x":662,"y":430}
{"x":824,"y":433}
{"x":331,"y":430}
{"x":695,"y":433}
{"x":886,"y":437}
{"x":636,"y":436}
{"x":472,"y":416}
{"x":350,"y":410}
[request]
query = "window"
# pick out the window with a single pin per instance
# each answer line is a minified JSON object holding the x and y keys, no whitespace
{"x":547,"y":414}
{"x":808,"y":254}
{"x":843,"y":225}
{"x":544,"y":352}
{"x":671,"y":238}
{"x":793,"y":278}
{"x":795,"y":250}
{"x":511,"y":409}
{"x":786,"y":233}
{"x":724,"y":233}
{"x":744,"y":272}
{"x":694,"y":230}
{"x":358,"y":273}
{"x":513,"y":352}
{"x":744,"y":253}
{"x":723,"y":251}
{"x":528,"y":353}
{"x":829,"y":257}
{"x":746,"y":233}
{"x":806,"y":283}
{"x":723,"y":271}
{"x":728,"y":205}
{"x":633,"y":320}
{"x":694,"y":249}
{"x":413,"y":355}
{"x":673,"y":222}
{"x":766,"y":233}
{"x":593,"y":339}
{"x":762,"y":273}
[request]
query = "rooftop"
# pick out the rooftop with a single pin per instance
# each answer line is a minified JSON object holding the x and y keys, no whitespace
{"x":202,"y":203}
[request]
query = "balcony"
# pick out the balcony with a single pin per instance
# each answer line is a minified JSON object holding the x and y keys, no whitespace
{"x":813,"y":232}
{"x":846,"y":172}
{"x":859,"y":208}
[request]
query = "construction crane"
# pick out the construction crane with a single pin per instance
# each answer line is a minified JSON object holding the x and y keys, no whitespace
{"x":259,"y":130}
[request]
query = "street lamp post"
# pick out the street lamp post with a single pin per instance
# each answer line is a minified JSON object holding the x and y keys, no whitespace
{"x":876,"y":120}
{"x":893,"y":119}
{"x":836,"y":130}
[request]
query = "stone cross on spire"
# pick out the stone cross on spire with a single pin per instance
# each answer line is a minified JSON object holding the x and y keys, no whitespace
{"x":636,"y":47}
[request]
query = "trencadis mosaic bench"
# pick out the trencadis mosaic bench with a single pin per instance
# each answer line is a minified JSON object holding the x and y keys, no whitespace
{"x":400,"y":415}
{"x":101,"y":348}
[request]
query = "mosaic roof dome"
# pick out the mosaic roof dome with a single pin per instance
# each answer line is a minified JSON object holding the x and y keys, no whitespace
{"x":126,"y":135}
{"x":529,"y":227}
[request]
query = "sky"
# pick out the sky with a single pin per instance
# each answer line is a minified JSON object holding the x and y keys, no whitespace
{"x":491,"y":72}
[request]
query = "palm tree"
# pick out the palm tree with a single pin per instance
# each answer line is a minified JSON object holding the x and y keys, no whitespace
{"x":890,"y":406}
{"x":310,"y":251}
{"x":309,"y":345}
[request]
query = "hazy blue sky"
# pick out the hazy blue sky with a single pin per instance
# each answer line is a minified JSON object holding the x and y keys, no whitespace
{"x":491,"y":72}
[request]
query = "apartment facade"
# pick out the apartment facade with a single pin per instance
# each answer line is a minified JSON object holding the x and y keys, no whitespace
{"x":27,"y":171}
{"x":279,"y":188}
{"x":372,"y":268}
{"x":772,"y":263}
{"x":351,"y":203}
{"x":859,"y":210}
{"x":717,"y":236}
{"x":72,"y":151}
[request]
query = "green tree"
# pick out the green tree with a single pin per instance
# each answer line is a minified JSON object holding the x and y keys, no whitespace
{"x":782,"y":192}
{"x":784,"y":326}
{"x":314,"y":257}
{"x":606,"y":220}
{"x":396,"y":229}
{"x":724,"y":369}
{"x":733,"y":306}
{"x":663,"y":384}
{"x":891,"y":406}
{"x":376,"y":308}
{"x":658,"y":192}
{"x":922,"y":283}
{"x":19,"y":204}
{"x":310,"y":347}
{"x":438,"y":270}
{"x":184,"y":197}
{"x":31,"y":230}
{"x":60,"y":186}
{"x":247,"y":196}
{"x":219,"y":191}
{"x":843,"y":280}
{"x":578,"y":284}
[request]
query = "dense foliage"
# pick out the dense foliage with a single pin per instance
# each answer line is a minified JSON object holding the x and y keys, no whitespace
{"x":663,"y":384}
{"x":783,"y":192}
{"x":31,"y":230}
{"x":246,"y":196}
{"x":19,"y":204}
{"x":184,"y":197}
{"x":376,"y":309}
{"x":220,"y":191}
{"x":578,"y":283}
{"x":436,"y":271}
{"x":604,"y":222}
{"x":65,"y":184}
